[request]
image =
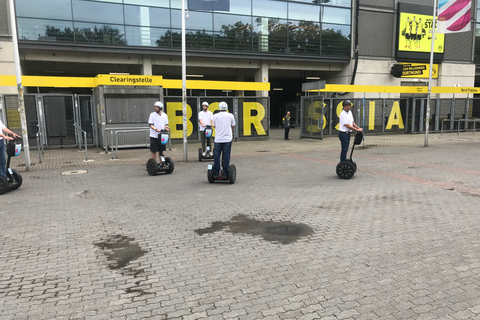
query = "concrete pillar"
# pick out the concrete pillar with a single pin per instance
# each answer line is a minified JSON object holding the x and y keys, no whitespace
{"x":240,"y":93}
{"x":147,"y":65}
{"x":262,"y":76}
{"x":7,"y":65}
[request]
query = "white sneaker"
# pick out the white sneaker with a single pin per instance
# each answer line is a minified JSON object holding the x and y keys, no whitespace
{"x":203,"y":154}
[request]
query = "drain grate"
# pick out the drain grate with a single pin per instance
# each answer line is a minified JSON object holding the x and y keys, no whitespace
{"x":73,"y":172}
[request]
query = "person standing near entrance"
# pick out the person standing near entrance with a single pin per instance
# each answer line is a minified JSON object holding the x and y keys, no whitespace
{"x":157,"y":121}
{"x":346,"y":126}
{"x":224,"y":124}
{"x":3,"y":156}
{"x":286,"y":124}
{"x":205,"y":118}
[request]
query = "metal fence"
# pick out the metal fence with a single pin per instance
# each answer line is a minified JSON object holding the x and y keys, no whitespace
{"x":389,"y":116}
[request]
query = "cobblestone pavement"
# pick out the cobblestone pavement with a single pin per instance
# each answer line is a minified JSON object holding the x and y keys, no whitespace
{"x":289,"y":240}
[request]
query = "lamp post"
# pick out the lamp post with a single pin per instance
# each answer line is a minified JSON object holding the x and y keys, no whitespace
{"x":184,"y":85}
{"x":18,"y":72}
{"x":427,"y":116}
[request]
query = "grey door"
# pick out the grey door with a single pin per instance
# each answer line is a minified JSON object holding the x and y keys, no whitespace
{"x":59,"y":120}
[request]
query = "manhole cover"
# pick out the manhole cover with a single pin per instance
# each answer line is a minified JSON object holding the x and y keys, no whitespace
{"x":72,"y":172}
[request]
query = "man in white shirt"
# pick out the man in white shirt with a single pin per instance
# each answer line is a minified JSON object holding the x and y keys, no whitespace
{"x":224,"y":124}
{"x":157,"y":121}
{"x":205,"y":118}
{"x":347,"y":125}
{"x":3,"y":156}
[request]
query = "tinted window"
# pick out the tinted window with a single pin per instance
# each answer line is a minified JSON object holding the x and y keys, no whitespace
{"x":44,"y":30}
{"x":303,"y":12}
{"x":336,"y":15}
{"x":102,"y":12}
{"x":43,"y":9}
{"x":270,"y":8}
{"x":232,"y":22}
{"x":147,"y":16}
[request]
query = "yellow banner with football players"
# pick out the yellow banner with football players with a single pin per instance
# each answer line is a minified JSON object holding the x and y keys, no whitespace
{"x":416,"y":34}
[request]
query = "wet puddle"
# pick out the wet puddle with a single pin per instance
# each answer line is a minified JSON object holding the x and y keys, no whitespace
{"x":284,"y":232}
{"x":120,"y":251}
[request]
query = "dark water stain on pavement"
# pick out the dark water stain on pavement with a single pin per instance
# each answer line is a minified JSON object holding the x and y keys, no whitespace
{"x":120,"y":251}
{"x":285,"y":232}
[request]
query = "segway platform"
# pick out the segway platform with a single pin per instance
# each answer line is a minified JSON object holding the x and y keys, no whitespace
{"x":347,"y":168}
{"x":231,"y":177}
{"x":14,"y":179}
{"x":166,"y":164}
{"x":208,"y":155}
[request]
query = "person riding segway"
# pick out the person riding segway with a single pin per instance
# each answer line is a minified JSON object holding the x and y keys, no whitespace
{"x":205,"y":122}
{"x":158,"y":122}
{"x":13,"y":179}
{"x":347,"y":167}
{"x":224,"y":124}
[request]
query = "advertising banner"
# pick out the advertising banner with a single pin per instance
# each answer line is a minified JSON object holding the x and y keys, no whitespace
{"x":416,"y":34}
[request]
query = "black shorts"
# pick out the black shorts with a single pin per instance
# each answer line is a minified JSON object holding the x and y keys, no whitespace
{"x":156,"y":145}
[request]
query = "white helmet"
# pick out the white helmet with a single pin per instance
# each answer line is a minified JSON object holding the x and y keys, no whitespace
{"x":222,"y":106}
{"x":159,"y":104}
{"x":205,"y":103}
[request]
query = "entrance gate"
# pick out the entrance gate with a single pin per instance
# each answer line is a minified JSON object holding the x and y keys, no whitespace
{"x":312,"y":117}
{"x":53,"y":118}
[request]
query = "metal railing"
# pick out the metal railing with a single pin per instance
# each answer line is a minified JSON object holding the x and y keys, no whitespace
{"x":84,"y":140}
{"x":39,"y":145}
{"x":114,"y":138}
{"x":466,"y":121}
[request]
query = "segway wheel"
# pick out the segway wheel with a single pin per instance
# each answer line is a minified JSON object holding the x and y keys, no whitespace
{"x":152,"y":167}
{"x":18,"y":179}
{"x":210,"y":176}
{"x":232,"y":174}
{"x":3,"y":185}
{"x":345,"y":169}
{"x":170,"y":165}
{"x":200,"y":154}
{"x":354,"y":167}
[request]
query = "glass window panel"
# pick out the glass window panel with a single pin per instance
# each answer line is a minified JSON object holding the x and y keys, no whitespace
{"x":147,"y":16}
{"x":224,"y":22}
{"x":151,"y":3}
{"x":93,"y":11}
{"x":477,"y":31}
{"x":112,"y":1}
{"x":177,"y":4}
{"x":176,"y":16}
{"x":335,"y":15}
{"x":335,"y":40}
{"x":44,"y":30}
{"x":43,"y":9}
{"x":199,"y":40}
{"x":270,"y":8}
{"x":270,"y":35}
{"x":303,"y":37}
{"x":339,"y":3}
{"x":100,"y":33}
{"x":241,"y":7}
{"x":145,"y":36}
{"x":199,"y":20}
{"x":303,"y":12}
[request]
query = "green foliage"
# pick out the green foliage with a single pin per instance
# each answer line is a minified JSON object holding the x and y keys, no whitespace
{"x":102,"y":35}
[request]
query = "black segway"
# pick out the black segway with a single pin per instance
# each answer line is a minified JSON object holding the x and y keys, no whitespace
{"x":231,"y":177}
{"x":14,"y":179}
{"x":166,"y":165}
{"x":347,"y":168}
{"x":208,"y":155}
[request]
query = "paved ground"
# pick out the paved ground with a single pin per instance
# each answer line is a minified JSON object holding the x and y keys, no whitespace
{"x":289,"y":240}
